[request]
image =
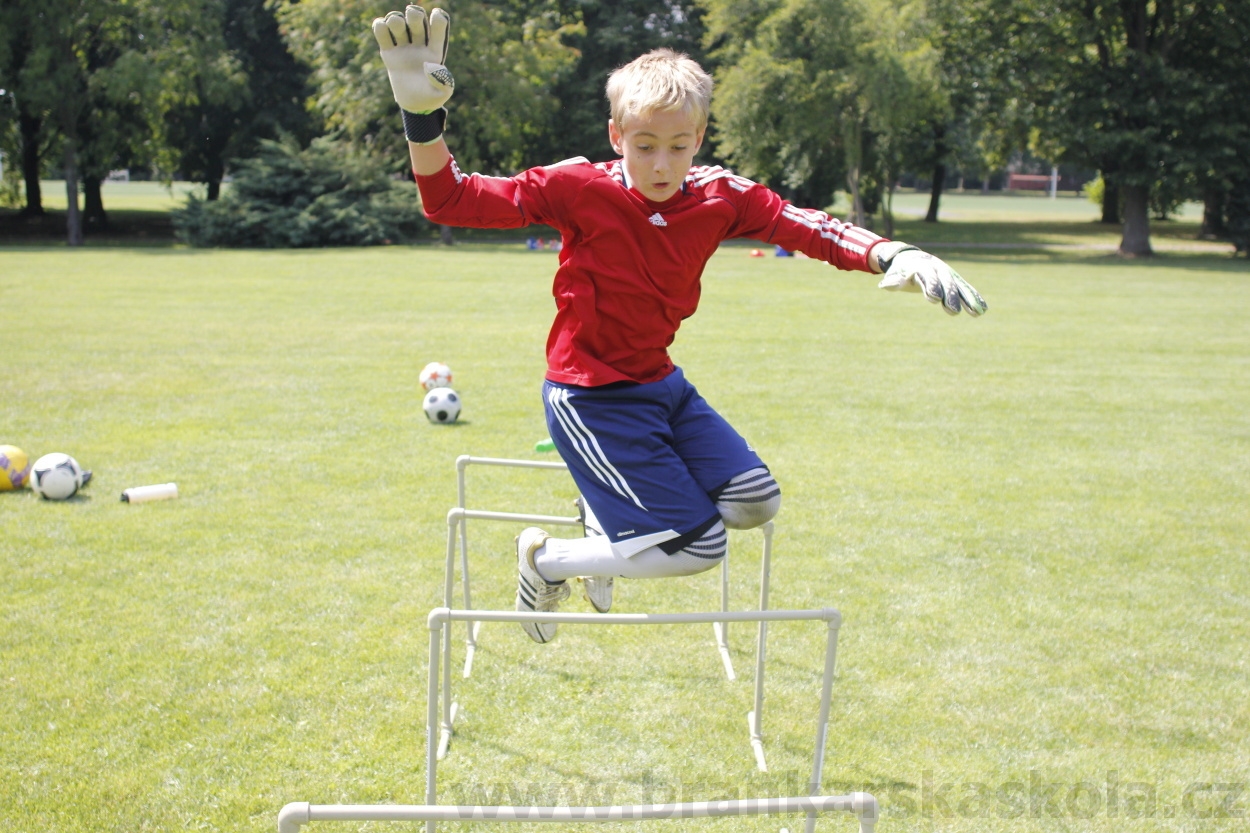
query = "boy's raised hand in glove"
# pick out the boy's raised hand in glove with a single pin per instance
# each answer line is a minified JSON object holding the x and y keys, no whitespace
{"x":909,"y":269}
{"x":413,"y":49}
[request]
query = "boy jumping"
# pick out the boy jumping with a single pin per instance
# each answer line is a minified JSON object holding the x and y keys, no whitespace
{"x":664,"y":472}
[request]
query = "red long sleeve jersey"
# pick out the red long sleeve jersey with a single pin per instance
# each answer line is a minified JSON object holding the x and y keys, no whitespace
{"x":630,"y":268}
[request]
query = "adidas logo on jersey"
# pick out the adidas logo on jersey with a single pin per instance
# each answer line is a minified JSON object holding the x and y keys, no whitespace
{"x":657,"y":220}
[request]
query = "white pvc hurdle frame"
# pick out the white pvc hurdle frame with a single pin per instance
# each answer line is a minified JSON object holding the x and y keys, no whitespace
{"x":458,"y":518}
{"x":298,"y":813}
{"x":461,"y":514}
{"x":435,"y":750}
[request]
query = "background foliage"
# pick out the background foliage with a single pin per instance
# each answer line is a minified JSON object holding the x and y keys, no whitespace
{"x":288,"y":198}
{"x":815,"y":98}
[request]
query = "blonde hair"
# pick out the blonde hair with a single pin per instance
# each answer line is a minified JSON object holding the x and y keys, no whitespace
{"x":660,"y":80}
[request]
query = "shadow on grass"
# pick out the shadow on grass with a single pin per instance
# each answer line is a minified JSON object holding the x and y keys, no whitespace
{"x":125,"y":228}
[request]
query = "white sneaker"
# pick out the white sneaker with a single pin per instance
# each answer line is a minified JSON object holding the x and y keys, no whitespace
{"x":590,"y":524}
{"x":533,"y":592}
{"x":595,"y":589}
{"x":598,"y":591}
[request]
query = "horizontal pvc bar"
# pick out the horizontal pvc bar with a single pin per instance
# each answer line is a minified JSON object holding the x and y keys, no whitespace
{"x":465,"y":460}
{"x":455,"y":514}
{"x":442,"y":614}
{"x":297,"y":813}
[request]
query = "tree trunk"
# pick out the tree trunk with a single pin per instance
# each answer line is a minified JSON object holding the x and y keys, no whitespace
{"x":1136,"y":239}
{"x":1213,"y":226}
{"x":857,"y":204}
{"x":1110,"y":202}
{"x":215,"y":174}
{"x":30,"y":127}
{"x":73,"y":220}
{"x":939,"y":174}
{"x":93,"y":216}
{"x":935,"y":193}
{"x":854,"y":155}
{"x":887,"y":208}
{"x":444,"y":235}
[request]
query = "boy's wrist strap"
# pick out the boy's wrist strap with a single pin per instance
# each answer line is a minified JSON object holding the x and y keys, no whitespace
{"x":882,"y":254}
{"x":424,"y":128}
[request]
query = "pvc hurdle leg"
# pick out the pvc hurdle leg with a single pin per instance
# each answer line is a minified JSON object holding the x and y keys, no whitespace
{"x":431,"y":719}
{"x":755,"y":719}
{"x":449,"y":708}
{"x":822,"y":723}
{"x":471,"y":628}
{"x":721,"y":629}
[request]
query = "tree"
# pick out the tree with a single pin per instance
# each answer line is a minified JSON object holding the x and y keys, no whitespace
{"x":784,"y":107}
{"x":122,"y":83}
{"x":253,"y":89}
{"x":75,"y":70}
{"x":55,"y":80}
{"x":1117,"y":85}
{"x":909,"y":104}
{"x":990,"y":113}
{"x":113,"y":128}
{"x":505,"y":58}
{"x":1218,"y":47}
{"x":816,"y":93}
{"x":610,"y":34}
{"x":33,"y":74}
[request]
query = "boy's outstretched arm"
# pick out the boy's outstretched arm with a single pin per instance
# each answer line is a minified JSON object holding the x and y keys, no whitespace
{"x":910,"y":269}
{"x":413,"y":49}
{"x":764,"y":215}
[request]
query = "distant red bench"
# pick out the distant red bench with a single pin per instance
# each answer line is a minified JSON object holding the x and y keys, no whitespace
{"x":1028,"y":182}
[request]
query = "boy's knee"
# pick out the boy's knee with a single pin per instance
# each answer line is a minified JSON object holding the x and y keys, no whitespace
{"x":749,"y":515}
{"x":749,"y":500}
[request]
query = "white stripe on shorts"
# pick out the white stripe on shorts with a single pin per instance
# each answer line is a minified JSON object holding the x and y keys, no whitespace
{"x":587,"y":446}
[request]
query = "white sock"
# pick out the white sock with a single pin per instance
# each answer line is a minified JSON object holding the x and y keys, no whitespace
{"x":565,"y":558}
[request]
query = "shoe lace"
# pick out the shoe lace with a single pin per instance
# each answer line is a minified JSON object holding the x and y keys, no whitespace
{"x":550,"y":595}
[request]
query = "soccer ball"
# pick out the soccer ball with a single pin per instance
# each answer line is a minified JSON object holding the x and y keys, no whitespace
{"x":435,"y":375}
{"x":442,"y":405}
{"x":14,"y":468}
{"x":56,"y":476}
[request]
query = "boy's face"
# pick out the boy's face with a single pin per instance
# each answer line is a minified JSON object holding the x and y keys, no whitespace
{"x":657,"y":150}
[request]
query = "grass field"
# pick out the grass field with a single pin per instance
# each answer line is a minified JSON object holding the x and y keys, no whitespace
{"x":1034,"y":524}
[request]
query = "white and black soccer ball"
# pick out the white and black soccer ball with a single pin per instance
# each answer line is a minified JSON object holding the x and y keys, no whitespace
{"x":435,"y":375}
{"x":57,"y":476}
{"x":442,"y":405}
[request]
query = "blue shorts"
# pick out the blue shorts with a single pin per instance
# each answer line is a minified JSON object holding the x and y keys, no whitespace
{"x":649,"y":459}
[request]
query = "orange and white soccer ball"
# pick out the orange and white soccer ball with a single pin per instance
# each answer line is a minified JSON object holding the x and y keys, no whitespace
{"x":435,"y":375}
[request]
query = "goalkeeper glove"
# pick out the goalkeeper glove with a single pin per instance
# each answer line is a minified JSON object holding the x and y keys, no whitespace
{"x":909,"y":269}
{"x":413,"y":50}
